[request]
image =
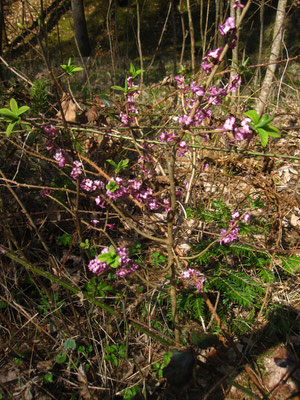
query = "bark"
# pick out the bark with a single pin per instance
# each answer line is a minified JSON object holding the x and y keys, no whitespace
{"x":275,"y":50}
{"x":81,"y":33}
{"x":192,"y":35}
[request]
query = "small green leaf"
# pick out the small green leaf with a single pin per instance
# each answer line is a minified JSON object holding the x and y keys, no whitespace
{"x":121,"y":165}
{"x":60,"y":358}
{"x":20,"y":25}
{"x":264,"y":121}
{"x":48,"y":378}
{"x":13,"y":105}
{"x":22,"y":109}
{"x":118,"y":88}
{"x":111,"y":162}
{"x":253,"y":115}
{"x":76,"y":69}
{"x":9,"y":129}
{"x":8,"y":115}
{"x":263,"y":136}
{"x":70,"y":344}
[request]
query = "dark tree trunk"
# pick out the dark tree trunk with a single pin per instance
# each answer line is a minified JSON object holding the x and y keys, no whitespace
{"x":81,"y":32}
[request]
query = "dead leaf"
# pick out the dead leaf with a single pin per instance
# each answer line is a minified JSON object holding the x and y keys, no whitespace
{"x":69,"y":108}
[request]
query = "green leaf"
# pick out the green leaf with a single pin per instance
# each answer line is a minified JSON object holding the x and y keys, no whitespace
{"x":272,"y":131}
{"x":111,"y":162}
{"x":121,"y":165}
{"x":13,"y":105}
{"x":118,"y":88}
{"x":70,"y":344}
{"x":9,"y":128}
{"x":20,"y":25}
{"x":253,"y":115}
{"x":76,"y":69}
{"x":48,"y":378}
{"x":104,"y":257}
{"x":22,"y":109}
{"x":264,"y":121}
{"x":60,"y":358}
{"x":263,"y":136}
{"x":8,"y":115}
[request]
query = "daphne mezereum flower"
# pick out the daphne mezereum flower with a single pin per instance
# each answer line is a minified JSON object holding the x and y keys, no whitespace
{"x":237,"y":4}
{"x":60,"y":157}
{"x":76,"y":171}
{"x":50,"y":130}
{"x":229,"y":25}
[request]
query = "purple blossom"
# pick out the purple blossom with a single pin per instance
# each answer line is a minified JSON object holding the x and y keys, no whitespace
{"x":197,"y":90}
{"x":88,"y":185}
{"x":126,"y":119}
{"x":110,"y":226}
{"x":185,"y":120}
{"x":229,"y":124}
{"x":232,"y":235}
{"x":228,"y":26}
{"x":235,"y":215}
{"x":189,"y":273}
{"x":50,"y":146}
{"x":167,"y":137}
{"x":50,"y":130}
{"x":45,"y":192}
{"x":237,"y":4}
{"x":97,"y":266}
{"x":207,"y":67}
{"x":126,"y":265}
{"x":76,"y":171}
{"x":152,"y":204}
{"x":60,"y":157}
{"x":211,"y":59}
{"x":100,"y":202}
{"x":180,"y":82}
{"x":183,"y":148}
{"x":95,"y":222}
{"x":246,"y":218}
{"x":119,"y":190}
{"x":234,"y":83}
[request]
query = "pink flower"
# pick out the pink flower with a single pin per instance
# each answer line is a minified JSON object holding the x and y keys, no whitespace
{"x":59,"y":156}
{"x":100,"y":202}
{"x":185,"y":120}
{"x":235,"y":215}
{"x":45,"y":192}
{"x":50,"y":130}
{"x":246,"y":218}
{"x":95,"y":221}
{"x":228,"y":26}
{"x":197,"y":90}
{"x":76,"y":171}
{"x":237,"y":4}
{"x":234,"y":82}
{"x":88,"y":185}
{"x":229,"y":124}
{"x":183,"y":147}
{"x":231,"y":236}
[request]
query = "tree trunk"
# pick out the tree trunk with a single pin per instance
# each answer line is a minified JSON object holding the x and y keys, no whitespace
{"x":81,"y":33}
{"x":275,"y":49}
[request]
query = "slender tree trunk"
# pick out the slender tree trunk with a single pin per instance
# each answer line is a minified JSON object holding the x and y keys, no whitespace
{"x":275,"y":50}
{"x":192,"y":36}
{"x":81,"y":33}
{"x":183,"y":32}
{"x":257,"y":79}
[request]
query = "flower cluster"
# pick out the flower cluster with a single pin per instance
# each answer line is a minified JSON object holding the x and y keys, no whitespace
{"x":126,"y":118}
{"x":211,"y":59}
{"x":125,"y":264}
{"x":194,"y":275}
{"x":76,"y":171}
{"x":233,"y":229}
{"x":238,"y":133}
{"x":61,"y":157}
